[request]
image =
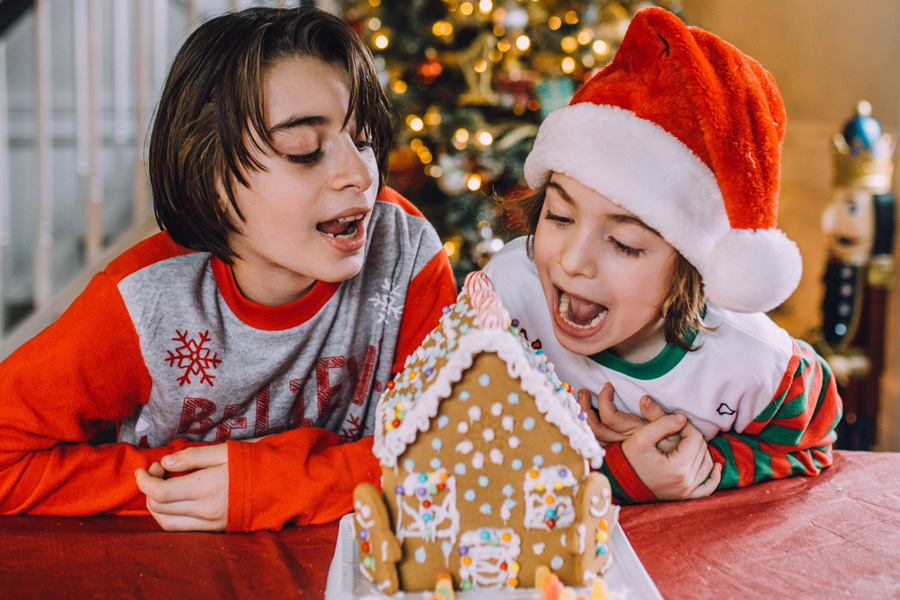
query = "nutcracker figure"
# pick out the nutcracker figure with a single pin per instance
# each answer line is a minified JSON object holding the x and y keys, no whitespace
{"x":859,"y":223}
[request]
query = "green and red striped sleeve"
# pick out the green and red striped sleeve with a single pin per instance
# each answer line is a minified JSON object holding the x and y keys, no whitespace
{"x":793,"y":435}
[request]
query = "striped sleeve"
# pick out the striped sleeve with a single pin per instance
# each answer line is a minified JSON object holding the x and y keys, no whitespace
{"x":793,"y":435}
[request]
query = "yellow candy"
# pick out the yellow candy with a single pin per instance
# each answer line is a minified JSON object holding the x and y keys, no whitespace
{"x":558,"y":485}
{"x":539,"y":573}
{"x":539,"y":487}
{"x":514,"y":567}
{"x":601,"y":536}
{"x":599,"y":590}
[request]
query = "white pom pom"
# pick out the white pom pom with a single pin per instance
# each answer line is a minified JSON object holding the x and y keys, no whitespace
{"x":752,"y":270}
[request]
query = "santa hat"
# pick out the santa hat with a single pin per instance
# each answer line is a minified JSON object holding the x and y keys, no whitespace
{"x":684,"y":131}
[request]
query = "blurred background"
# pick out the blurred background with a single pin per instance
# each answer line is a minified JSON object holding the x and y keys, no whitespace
{"x":470,"y":81}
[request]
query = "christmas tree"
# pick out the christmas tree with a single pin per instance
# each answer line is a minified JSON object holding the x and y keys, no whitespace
{"x":470,"y":81}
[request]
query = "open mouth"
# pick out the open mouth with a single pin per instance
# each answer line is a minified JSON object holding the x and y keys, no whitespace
{"x":579,"y":313}
{"x":344,"y":228}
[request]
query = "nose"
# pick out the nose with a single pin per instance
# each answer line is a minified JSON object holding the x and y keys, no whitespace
{"x":578,"y":255}
{"x":353,"y":168}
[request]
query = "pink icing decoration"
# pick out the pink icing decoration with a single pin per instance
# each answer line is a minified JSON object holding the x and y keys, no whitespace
{"x":491,"y":314}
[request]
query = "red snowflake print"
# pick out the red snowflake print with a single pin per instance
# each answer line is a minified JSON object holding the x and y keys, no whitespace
{"x":350,"y":434}
{"x":193,"y":357}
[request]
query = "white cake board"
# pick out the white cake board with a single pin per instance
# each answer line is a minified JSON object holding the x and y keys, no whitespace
{"x":627,"y":579}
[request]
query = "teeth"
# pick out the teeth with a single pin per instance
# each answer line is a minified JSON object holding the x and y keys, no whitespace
{"x":564,"y":299}
{"x":350,"y":219}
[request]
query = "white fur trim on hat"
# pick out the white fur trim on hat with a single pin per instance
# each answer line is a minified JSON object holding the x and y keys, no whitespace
{"x":752,"y":270}
{"x":638,"y":165}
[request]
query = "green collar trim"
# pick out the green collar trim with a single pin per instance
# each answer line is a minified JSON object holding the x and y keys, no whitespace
{"x":654,"y":368}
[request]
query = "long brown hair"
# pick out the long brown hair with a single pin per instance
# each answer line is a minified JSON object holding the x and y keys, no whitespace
{"x":213,"y":100}
{"x":683,"y":307}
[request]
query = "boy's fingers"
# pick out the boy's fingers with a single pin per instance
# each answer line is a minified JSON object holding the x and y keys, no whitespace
{"x":652,"y":433}
{"x":650,"y":409}
{"x":603,"y":433}
{"x":611,"y":416}
{"x":156,"y":470}
{"x":198,"y":457}
{"x":709,"y":486}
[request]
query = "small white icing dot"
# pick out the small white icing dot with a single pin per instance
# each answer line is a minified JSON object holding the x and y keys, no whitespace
{"x":464,"y":395}
{"x":514,"y":442}
{"x":464,"y":447}
{"x":420,"y":555}
{"x":435,"y":463}
{"x":437,"y":444}
{"x":366,"y":511}
{"x":484,"y":380}
{"x":478,"y":460}
{"x":538,"y":460}
{"x":357,"y":504}
{"x":508,"y":423}
{"x":557,"y":447}
{"x":409,"y":465}
{"x":474,"y":413}
{"x":485,"y":509}
{"x":496,"y":409}
{"x":513,"y":398}
{"x":528,"y":424}
{"x":469,"y":495}
{"x":538,"y":548}
{"x":508,"y":490}
{"x":443,"y":420}
{"x":557,"y":562}
{"x":517,"y":464}
{"x":483,"y":481}
{"x":496,"y":456}
{"x":488,"y":434}
{"x":463,"y":427}
{"x":460,"y":468}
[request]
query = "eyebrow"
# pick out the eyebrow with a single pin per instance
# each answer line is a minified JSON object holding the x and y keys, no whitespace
{"x":298,"y":121}
{"x":618,"y":217}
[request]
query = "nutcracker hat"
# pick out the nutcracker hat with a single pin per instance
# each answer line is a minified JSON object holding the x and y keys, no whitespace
{"x":685,"y":132}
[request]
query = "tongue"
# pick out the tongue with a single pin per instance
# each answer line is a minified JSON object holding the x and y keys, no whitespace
{"x":334,"y":227}
{"x":582,"y":311}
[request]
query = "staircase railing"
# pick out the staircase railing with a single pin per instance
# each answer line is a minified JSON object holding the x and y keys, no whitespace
{"x":79,"y":80}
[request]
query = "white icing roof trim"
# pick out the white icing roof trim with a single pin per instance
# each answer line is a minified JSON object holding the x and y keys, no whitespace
{"x":549,"y":401}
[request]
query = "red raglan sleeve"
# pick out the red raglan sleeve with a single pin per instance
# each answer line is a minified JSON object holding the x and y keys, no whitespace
{"x":307,"y":476}
{"x":59,"y":391}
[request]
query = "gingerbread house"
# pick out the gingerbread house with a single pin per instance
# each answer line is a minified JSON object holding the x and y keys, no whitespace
{"x":486,"y":464}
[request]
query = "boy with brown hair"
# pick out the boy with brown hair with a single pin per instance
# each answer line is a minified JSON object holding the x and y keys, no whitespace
{"x":286,"y":289}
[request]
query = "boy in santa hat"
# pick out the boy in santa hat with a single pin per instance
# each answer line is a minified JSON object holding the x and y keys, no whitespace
{"x":651,"y":231}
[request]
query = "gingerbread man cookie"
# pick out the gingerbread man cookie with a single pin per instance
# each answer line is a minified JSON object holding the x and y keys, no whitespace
{"x":379,"y":551}
{"x":588,"y":537}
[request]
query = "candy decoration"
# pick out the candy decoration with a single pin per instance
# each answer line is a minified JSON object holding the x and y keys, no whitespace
{"x":539,"y":573}
{"x":599,"y":589}
{"x":443,"y":588}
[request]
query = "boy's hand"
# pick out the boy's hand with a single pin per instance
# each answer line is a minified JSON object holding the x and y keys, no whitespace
{"x":612,"y":425}
{"x":687,"y":471}
{"x":197,"y":501}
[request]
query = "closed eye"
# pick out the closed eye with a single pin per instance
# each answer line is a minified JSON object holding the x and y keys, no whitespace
{"x":304,"y":159}
{"x":624,"y":249}
{"x":549,"y":216}
{"x":363,"y":145}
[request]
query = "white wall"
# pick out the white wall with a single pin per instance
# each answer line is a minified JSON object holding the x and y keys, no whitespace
{"x":826,"y":55}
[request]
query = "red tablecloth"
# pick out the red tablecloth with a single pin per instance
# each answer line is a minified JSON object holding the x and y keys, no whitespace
{"x":833,"y":536}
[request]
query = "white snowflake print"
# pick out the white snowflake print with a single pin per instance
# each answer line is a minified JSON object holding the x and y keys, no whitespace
{"x":193,"y":357}
{"x":387,"y":303}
